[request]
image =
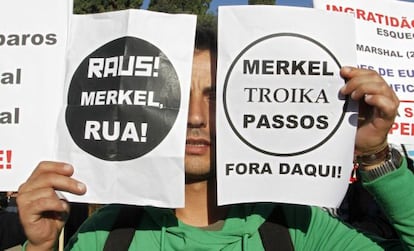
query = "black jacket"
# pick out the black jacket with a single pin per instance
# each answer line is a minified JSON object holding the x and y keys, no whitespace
{"x":11,"y":230}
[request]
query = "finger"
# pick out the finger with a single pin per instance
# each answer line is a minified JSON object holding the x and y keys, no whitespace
{"x":367,"y":83}
{"x":35,"y":195}
{"x":34,"y":204}
{"x":388,"y":107}
{"x":371,"y":88}
{"x":55,"y":181}
{"x":54,"y":167}
{"x":349,"y":72}
{"x":355,"y":76}
{"x":45,"y":206}
{"x":362,"y":82}
{"x":36,"y":208}
{"x":53,"y":175}
{"x":32,"y":211}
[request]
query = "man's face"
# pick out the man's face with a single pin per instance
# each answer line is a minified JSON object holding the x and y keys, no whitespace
{"x":200,"y":141}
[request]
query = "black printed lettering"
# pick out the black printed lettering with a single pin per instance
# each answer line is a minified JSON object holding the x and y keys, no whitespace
{"x":285,"y":67}
{"x":248,"y":168}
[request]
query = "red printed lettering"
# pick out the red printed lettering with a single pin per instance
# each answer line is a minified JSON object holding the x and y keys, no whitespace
{"x":5,"y":159}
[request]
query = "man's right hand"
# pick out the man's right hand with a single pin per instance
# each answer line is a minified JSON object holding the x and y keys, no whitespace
{"x":42,"y":212}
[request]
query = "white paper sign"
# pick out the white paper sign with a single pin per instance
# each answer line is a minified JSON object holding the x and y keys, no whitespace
{"x":33,"y":38}
{"x":284,"y":133}
{"x":385,"y":43}
{"x":125,"y":107}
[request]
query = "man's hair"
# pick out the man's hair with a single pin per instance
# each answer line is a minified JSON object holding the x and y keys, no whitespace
{"x":206,"y":33}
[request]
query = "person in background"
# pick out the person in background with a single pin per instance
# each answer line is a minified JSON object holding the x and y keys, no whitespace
{"x":360,"y":209}
{"x":11,"y":230}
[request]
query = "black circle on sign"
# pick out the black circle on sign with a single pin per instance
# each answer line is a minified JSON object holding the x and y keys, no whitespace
{"x":128,"y":114}
{"x":226,"y":81}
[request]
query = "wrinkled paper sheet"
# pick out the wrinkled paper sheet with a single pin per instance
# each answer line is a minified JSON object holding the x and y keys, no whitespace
{"x":284,"y":134}
{"x":33,"y":37}
{"x":125,"y":104}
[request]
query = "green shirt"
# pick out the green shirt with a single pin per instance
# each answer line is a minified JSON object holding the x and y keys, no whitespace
{"x":310,"y":228}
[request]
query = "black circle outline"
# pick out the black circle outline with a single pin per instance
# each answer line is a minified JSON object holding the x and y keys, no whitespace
{"x":344,"y":108}
{"x":128,"y":157}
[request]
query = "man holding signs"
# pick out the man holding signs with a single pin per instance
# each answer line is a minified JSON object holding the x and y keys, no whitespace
{"x":201,"y":224}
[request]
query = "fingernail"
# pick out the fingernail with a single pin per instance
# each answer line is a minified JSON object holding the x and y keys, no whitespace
{"x":81,"y":186}
{"x":353,"y":95}
{"x":64,"y":205}
{"x":67,"y":167}
{"x":346,"y":69}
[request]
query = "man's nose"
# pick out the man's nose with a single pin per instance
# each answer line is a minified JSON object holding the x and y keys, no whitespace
{"x":197,"y":114}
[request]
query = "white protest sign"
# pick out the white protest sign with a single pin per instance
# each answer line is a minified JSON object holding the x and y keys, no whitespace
{"x":385,"y":43}
{"x":284,"y":133}
{"x":125,"y":108}
{"x":33,"y":38}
